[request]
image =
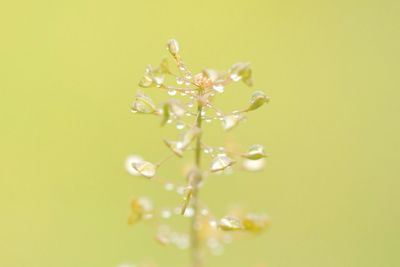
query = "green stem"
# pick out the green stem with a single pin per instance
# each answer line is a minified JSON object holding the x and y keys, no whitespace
{"x":195,"y":239}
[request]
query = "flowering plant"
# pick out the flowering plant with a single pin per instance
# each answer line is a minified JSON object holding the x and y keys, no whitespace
{"x":191,"y":106}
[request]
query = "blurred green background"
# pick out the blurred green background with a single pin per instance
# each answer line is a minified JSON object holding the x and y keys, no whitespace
{"x":69,"y":71}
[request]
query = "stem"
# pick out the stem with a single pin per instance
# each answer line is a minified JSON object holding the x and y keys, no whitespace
{"x":195,"y":239}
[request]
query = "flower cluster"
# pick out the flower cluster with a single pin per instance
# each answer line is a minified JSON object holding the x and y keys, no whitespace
{"x":191,"y":105}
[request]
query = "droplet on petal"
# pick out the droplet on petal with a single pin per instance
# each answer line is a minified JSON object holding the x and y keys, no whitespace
{"x":128,"y":164}
{"x":143,"y":104}
{"x":220,"y":163}
{"x":255,"y":152}
{"x":173,"y":47}
{"x":145,"y":168}
{"x":241,"y":71}
{"x":230,"y":223}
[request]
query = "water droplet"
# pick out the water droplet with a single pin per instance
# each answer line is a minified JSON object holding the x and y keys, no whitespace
{"x":189,"y":212}
{"x":230,"y":223}
{"x":179,"y":80}
{"x":188,"y":114}
{"x":204,"y":212}
{"x":169,"y":186}
{"x":213,"y":223}
{"x":235,"y":77}
{"x":169,"y":121}
{"x":208,"y":120}
{"x":188,"y":76}
{"x":172,"y":92}
{"x":219,"y":88}
{"x":219,"y":114}
{"x":166,"y":214}
{"x":182,"y":66}
{"x":183,"y":94}
{"x":254,"y":165}
{"x":180,"y":125}
{"x":203,"y":113}
{"x":190,"y":105}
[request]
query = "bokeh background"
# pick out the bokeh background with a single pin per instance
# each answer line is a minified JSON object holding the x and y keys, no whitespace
{"x":69,"y":71}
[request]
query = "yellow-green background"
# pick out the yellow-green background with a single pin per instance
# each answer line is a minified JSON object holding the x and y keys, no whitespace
{"x":69,"y":71}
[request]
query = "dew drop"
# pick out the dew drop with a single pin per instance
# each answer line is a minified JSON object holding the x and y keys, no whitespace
{"x":204,"y":212}
{"x":172,"y":92}
{"x":179,"y":80}
{"x":213,"y":223}
{"x":189,"y":212}
{"x":188,"y":76}
{"x":235,"y":77}
{"x":169,"y":121}
{"x":190,"y":105}
{"x":208,"y":120}
{"x":166,"y":214}
{"x":219,"y":88}
{"x":180,"y":125}
{"x":203,"y":113}
{"x":169,"y":186}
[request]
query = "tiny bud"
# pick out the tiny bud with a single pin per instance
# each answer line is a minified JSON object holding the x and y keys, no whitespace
{"x":173,"y":47}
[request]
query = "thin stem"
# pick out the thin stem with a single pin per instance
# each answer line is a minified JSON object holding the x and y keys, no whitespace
{"x":195,"y":239}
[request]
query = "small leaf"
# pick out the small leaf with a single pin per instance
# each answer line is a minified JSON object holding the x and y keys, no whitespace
{"x":258,"y":99}
{"x":146,"y":82}
{"x":186,"y":200}
{"x":175,"y":146}
{"x":229,"y":223}
{"x":173,"y":47}
{"x":221,"y":162}
{"x":139,"y":207}
{"x":255,"y":152}
{"x":164,"y":67}
{"x":145,"y":168}
{"x":255,"y":223}
{"x":143,"y":104}
{"x":189,"y":136}
{"x":166,"y":113}
{"x":177,"y":108}
{"x":230,"y":121}
{"x":241,"y":71}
